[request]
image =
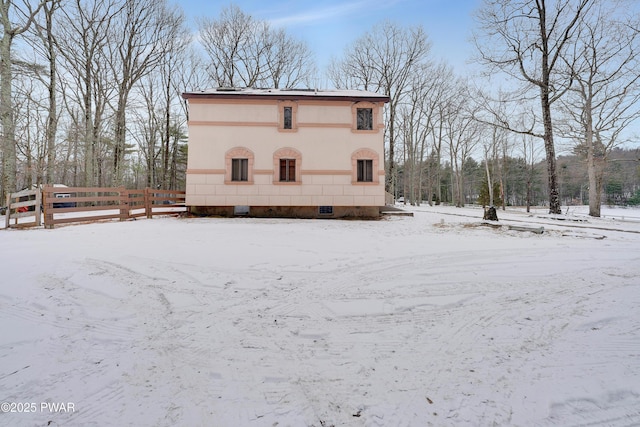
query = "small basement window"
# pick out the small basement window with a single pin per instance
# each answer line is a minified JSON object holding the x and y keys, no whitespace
{"x":241,"y":210}
{"x":325,"y":210}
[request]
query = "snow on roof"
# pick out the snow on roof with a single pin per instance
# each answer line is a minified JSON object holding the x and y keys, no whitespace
{"x":325,"y":94}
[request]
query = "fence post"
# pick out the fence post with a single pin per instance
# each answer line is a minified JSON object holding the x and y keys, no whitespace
{"x":48,"y":216}
{"x":8,"y":212}
{"x":147,"y":204}
{"x":37,"y":209}
{"x":124,"y":203}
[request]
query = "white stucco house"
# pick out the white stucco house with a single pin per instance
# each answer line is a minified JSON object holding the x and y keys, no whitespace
{"x":285,"y":152}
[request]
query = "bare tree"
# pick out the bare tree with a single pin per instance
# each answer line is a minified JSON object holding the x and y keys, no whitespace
{"x":244,"y":51}
{"x":160,"y":122}
{"x":82,"y":36}
{"x":530,"y":153}
{"x":605,"y":98}
{"x":384,"y":60}
{"x":528,"y":39}
{"x":289,"y":62}
{"x":25,"y":14}
{"x":491,"y":148}
{"x":27,"y":109}
{"x":146,"y":30}
{"x":462,"y":133}
{"x":230,"y":45}
{"x":418,"y":118}
{"x":45,"y":44}
{"x":495,"y":144}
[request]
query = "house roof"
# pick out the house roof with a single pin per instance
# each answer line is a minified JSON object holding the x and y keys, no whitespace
{"x":287,"y":94}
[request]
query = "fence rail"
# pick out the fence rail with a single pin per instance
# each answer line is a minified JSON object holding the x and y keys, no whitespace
{"x":63,"y":205}
{"x":24,"y":204}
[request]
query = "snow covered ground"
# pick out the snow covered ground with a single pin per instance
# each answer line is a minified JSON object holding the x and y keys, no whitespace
{"x":434,"y":319}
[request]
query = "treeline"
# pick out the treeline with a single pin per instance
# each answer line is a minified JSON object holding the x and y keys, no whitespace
{"x":516,"y":186}
{"x":90,"y":94}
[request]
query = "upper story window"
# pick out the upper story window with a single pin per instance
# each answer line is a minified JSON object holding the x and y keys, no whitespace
{"x":287,"y":116}
{"x":364,"y":117}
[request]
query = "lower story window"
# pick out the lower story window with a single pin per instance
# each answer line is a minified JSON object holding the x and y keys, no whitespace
{"x":287,"y":170}
{"x":365,"y":170}
{"x":239,"y":169}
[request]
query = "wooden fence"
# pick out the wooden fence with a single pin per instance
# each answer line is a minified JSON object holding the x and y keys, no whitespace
{"x":62,"y":205}
{"x":25,"y":204}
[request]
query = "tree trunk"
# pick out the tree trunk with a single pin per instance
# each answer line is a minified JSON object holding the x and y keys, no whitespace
{"x":489,"y":182}
{"x":391,"y":179}
{"x":119,"y":140}
{"x":528,"y":194}
{"x":594,"y":194}
{"x":167,"y":133}
{"x":9,"y":162}
{"x":550,"y":151}
{"x":52,"y":120}
{"x":89,"y":140}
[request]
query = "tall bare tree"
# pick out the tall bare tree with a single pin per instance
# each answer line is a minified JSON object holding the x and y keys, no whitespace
{"x":462,"y":135}
{"x":145,"y":31}
{"x":289,"y":62}
{"x":10,"y":13}
{"x":528,"y":39}
{"x":247,"y":52}
{"x":160,"y":122}
{"x":605,"y":98}
{"x":530,"y":152}
{"x":45,"y":43}
{"x":418,"y":116}
{"x":384,"y":60}
{"x":82,"y":35}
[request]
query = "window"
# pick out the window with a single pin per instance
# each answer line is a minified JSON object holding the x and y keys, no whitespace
{"x":238,"y":166}
{"x":365,"y":170}
{"x":288,"y":117}
{"x":241,"y":210}
{"x":364,"y":119}
{"x":325,"y":210}
{"x":287,"y":164}
{"x":239,"y":169}
{"x":287,"y":170}
{"x":365,"y":167}
{"x":287,"y":121}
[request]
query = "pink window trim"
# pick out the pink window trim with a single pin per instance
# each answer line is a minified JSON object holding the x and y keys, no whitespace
{"x":354,"y":119}
{"x":365,"y":154}
{"x":238,"y":153}
{"x":294,"y":116}
{"x":286,"y":153}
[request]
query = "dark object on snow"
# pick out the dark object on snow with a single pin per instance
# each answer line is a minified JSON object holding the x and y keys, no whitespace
{"x":490,"y":214}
